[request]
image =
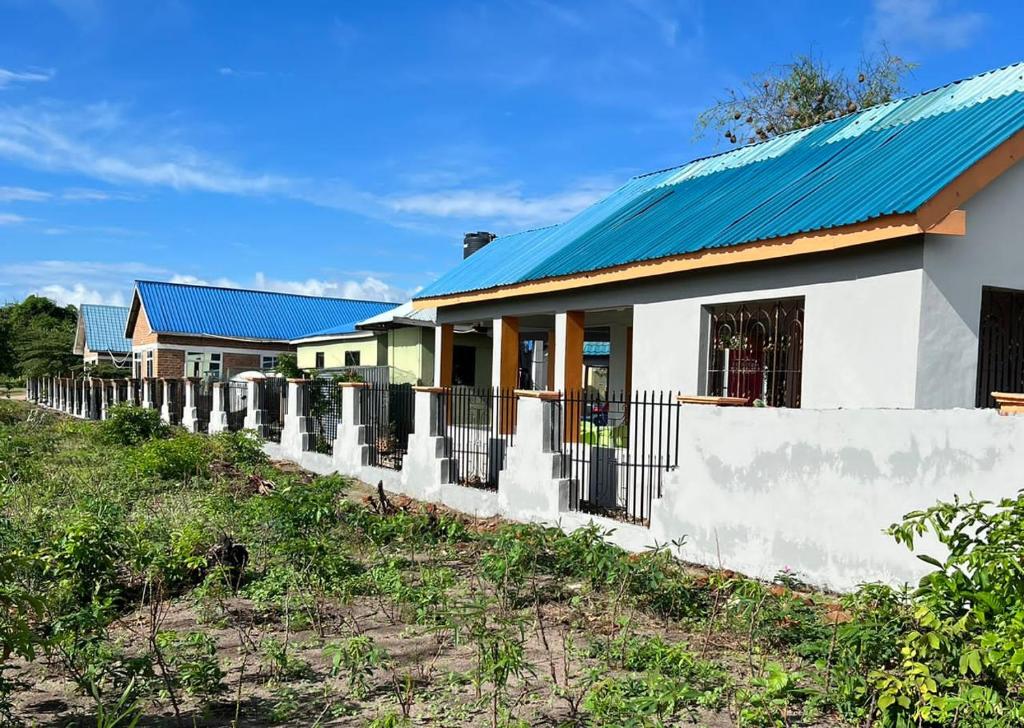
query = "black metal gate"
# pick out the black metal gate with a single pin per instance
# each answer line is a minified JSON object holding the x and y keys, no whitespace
{"x":274,"y":396}
{"x":175,"y":401}
{"x":156,"y":393}
{"x":236,"y":400}
{"x":388,"y":413}
{"x":479,"y":426}
{"x":203,"y":394}
{"x":615,"y":451}
{"x":322,"y":405}
{"x":1000,"y":345}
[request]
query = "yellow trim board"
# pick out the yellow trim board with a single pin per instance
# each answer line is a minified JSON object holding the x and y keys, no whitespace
{"x":881,"y":229}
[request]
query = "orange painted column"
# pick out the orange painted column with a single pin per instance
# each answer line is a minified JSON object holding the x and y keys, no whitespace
{"x":445,"y":355}
{"x":572,"y":370}
{"x":508,"y":379}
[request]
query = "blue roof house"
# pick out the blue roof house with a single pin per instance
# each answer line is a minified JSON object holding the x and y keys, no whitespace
{"x":181,"y":330}
{"x":872,"y":261}
{"x":99,"y":335}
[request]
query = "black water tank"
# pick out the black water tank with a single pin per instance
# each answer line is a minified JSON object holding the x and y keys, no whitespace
{"x":472,"y":242}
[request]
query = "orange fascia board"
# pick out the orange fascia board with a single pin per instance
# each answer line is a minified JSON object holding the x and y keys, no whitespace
{"x":873,"y":231}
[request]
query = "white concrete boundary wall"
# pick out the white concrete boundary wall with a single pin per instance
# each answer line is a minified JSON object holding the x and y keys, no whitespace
{"x":757,"y":490}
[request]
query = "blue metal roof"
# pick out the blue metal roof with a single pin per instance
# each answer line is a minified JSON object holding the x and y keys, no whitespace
{"x":596,"y":348}
{"x":104,"y":328}
{"x":888,"y":159}
{"x":243,"y":314}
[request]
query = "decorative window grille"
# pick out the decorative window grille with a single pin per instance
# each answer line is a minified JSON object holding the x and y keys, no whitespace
{"x":756,"y":351}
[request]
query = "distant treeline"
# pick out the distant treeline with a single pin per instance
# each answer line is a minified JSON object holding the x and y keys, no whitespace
{"x":36,"y":338}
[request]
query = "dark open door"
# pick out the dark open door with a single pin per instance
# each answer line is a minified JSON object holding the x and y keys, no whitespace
{"x":1000,"y":344}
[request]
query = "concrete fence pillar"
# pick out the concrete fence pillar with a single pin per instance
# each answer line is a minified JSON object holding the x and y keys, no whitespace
{"x":147,"y":393}
{"x":424,"y":467}
{"x":165,"y":401}
{"x":256,"y":412}
{"x":89,"y":399}
{"x":296,"y":435}
{"x":190,"y":414}
{"x":115,"y":392}
{"x":104,"y":398}
{"x":219,"y":411}
{"x":533,"y":484}
{"x":351,"y":451}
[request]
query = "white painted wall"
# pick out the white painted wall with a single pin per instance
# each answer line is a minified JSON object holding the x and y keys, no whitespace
{"x":955,"y":270}
{"x":860,"y":339}
{"x":764,"y":489}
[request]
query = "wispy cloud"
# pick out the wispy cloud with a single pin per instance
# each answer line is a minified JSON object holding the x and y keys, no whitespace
{"x":9,"y":78}
{"x":9,"y":218}
{"x":97,"y":142}
{"x":74,"y":281}
{"x":507,"y":206}
{"x":22,"y":194}
{"x":925,"y":24}
{"x":369,"y":288}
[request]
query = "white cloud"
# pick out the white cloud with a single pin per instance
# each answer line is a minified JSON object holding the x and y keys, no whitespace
{"x":369,"y":288}
{"x":504,"y":206}
{"x":9,"y":218}
{"x":79,"y":294}
{"x":97,"y":142}
{"x":8,"y":78}
{"x":925,"y":23}
{"x":74,"y":281}
{"x":22,"y":194}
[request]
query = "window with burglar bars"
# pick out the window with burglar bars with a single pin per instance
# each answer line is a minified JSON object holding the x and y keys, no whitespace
{"x":236,"y":396}
{"x":1000,"y":345}
{"x":387,"y":411}
{"x":756,"y":351}
{"x":322,"y":405}
{"x":616,"y":450}
{"x":479,"y":426}
{"x":274,"y":393}
{"x":203,"y":398}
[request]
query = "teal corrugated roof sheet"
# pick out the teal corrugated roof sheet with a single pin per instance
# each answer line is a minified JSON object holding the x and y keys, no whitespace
{"x":244,"y":314}
{"x":889,"y":159}
{"x":104,"y":328}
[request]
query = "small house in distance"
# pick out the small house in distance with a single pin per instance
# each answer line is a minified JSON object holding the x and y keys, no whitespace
{"x":100,"y":337}
{"x":187,"y":330}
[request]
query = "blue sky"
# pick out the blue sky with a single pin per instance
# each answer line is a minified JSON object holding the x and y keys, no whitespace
{"x":343,"y":148}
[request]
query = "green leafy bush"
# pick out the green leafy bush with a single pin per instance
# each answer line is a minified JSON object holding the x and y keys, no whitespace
{"x":182,"y":456}
{"x":127,"y":424}
{"x":242,"y":448}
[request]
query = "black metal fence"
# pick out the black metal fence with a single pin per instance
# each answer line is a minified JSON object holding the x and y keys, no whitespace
{"x":156,"y":393}
{"x":387,"y":410}
{"x":236,"y":401}
{"x":617,"y":450}
{"x":95,"y":391}
{"x":175,"y":400}
{"x":203,"y":398}
{"x":273,"y":394}
{"x":322,"y":405}
{"x":135,"y":392}
{"x":479,"y":425}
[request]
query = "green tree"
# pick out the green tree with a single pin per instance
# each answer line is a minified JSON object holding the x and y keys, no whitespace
{"x":800,"y":94}
{"x":36,"y":337}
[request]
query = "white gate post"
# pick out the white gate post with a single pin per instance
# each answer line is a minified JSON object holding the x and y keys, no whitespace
{"x":295,"y":434}
{"x":351,"y":450}
{"x":190,"y":415}
{"x":219,"y":411}
{"x":147,"y":393}
{"x":104,"y":398}
{"x":165,"y":402}
{"x":255,"y":413}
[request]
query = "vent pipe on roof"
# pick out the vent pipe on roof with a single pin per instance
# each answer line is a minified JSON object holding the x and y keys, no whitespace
{"x":472,"y":242}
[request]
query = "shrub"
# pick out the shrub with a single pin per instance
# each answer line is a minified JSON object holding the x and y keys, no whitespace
{"x":243,"y":448}
{"x":181,"y":456}
{"x":127,"y":424}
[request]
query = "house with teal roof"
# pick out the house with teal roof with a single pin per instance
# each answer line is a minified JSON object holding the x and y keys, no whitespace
{"x":99,"y":335}
{"x":871,"y":261}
